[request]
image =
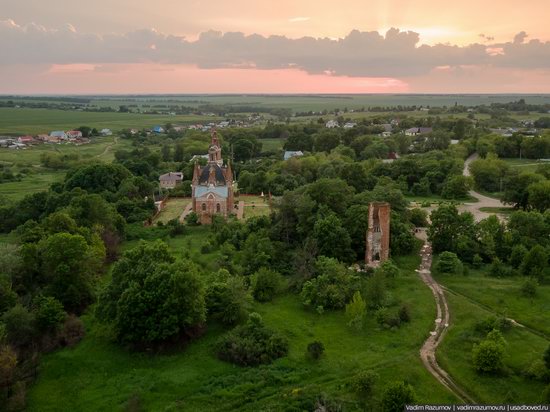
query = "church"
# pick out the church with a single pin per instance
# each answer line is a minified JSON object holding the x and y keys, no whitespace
{"x":212,"y":185}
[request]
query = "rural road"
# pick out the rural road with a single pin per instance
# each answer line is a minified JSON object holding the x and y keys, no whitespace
{"x":483,"y":201}
{"x":442,"y":321}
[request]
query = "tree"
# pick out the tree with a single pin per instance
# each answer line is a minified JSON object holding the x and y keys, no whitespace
{"x":152,"y":297}
{"x":49,"y":313}
{"x":516,"y":188}
{"x":376,"y":290}
{"x":266,"y":284}
{"x":20,"y":326}
{"x":546,"y":357}
{"x":356,"y":311}
{"x":535,"y":263}
{"x":166,"y":153}
{"x":227,"y":298}
{"x":449,"y":229}
{"x":518,"y":254}
{"x":397,"y":395}
{"x":8,"y":362}
{"x":97,"y":177}
{"x":178,"y":153}
{"x":332,"y":239}
{"x":456,"y":187}
{"x":70,"y":267}
{"x":539,"y":195}
{"x":418,"y":217}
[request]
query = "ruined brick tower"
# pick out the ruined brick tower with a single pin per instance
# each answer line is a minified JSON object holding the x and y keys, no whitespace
{"x":378,"y":234}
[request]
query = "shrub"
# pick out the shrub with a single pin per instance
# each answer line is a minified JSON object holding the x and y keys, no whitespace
{"x":498,"y":269}
{"x":206,"y":247}
{"x":175,"y":227}
{"x":529,"y":287}
{"x":315,"y":349}
{"x":537,"y":371}
{"x":227,"y":298}
{"x":252,"y":344}
{"x":192,"y":219}
{"x":492,"y":323}
{"x":488,"y":355}
{"x":404,"y":313}
{"x":356,"y":311}
{"x":535,"y":262}
{"x":363,"y":383}
{"x":517,"y":255}
{"x":376,"y":291}
{"x":389,"y":269}
{"x":387,"y":319}
{"x":448,"y":262}
{"x":73,"y":331}
{"x":477,"y":261}
{"x":266,"y":284}
{"x":396,"y":396}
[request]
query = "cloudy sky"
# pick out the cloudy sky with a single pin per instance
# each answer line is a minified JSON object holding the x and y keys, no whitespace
{"x":283,"y":46}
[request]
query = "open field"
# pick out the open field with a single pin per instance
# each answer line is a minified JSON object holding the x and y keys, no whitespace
{"x":523,"y":347}
{"x":272,"y":145}
{"x":305,"y":102}
{"x":503,"y":296}
{"x":98,"y":375}
{"x":37,"y":178}
{"x":523,"y":165}
{"x":35,"y":121}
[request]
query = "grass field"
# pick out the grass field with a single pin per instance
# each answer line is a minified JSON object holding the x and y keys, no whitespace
{"x":37,"y":121}
{"x":173,"y":209}
{"x":36,"y":178}
{"x":527,"y":165}
{"x":272,"y":145}
{"x":99,"y":375}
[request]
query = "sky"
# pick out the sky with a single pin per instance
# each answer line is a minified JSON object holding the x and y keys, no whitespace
{"x":283,"y":46}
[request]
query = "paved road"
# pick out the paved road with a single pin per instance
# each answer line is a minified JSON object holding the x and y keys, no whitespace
{"x":442,"y":322}
{"x":483,"y":201}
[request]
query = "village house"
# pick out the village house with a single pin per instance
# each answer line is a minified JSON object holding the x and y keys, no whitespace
{"x":170,"y":180}
{"x":27,"y":140}
{"x":350,"y":125}
{"x":158,"y":129}
{"x":331,"y":124}
{"x":106,"y":132}
{"x":74,"y":134}
{"x":60,"y":134}
{"x":415,"y":131}
{"x":290,"y":154}
{"x":212,"y":185}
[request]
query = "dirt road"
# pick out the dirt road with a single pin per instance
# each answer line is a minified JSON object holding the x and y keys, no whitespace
{"x":442,"y":321}
{"x":483,"y":201}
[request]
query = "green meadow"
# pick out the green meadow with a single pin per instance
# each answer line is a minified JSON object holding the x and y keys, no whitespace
{"x":99,"y":375}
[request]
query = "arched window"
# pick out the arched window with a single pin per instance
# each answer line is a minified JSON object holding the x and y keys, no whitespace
{"x":218,"y":208}
{"x":204,"y":207}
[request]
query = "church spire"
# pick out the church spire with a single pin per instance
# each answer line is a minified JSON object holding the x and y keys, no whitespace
{"x":215,"y":150}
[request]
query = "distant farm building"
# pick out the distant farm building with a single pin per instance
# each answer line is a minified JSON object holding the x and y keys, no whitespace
{"x":158,"y":129}
{"x":331,"y":124}
{"x":105,"y":132}
{"x":60,"y":134}
{"x":415,"y":131}
{"x":74,"y":134}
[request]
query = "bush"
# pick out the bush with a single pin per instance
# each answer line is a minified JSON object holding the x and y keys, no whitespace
{"x":73,"y":331}
{"x":448,"y":262}
{"x":252,"y":344}
{"x":404,"y":313}
{"x":498,"y":269}
{"x":227,"y":298}
{"x":363,"y":383}
{"x":492,"y":323}
{"x":488,"y":355}
{"x":389,"y":269}
{"x":266,"y":284}
{"x":315,"y":349}
{"x":387,"y":319}
{"x":517,"y":255}
{"x":175,"y":227}
{"x":537,"y":371}
{"x":396,"y":396}
{"x":477,"y":261}
{"x":192,"y":219}
{"x":529,"y":287}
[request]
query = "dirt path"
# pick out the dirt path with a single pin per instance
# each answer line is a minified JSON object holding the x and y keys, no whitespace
{"x":108,"y":147}
{"x":428,"y":350}
{"x":185,"y":212}
{"x":483,"y":201}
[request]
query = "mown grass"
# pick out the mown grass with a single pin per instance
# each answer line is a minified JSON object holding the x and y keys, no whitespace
{"x":173,"y":209}
{"x":99,"y":375}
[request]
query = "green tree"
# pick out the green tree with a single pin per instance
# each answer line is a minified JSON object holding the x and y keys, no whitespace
{"x":488,"y":355}
{"x":49,"y":313}
{"x":152,"y":298}
{"x":539,"y":195}
{"x":20,"y":326}
{"x":363,"y":383}
{"x":266,"y":284}
{"x":535,"y":263}
{"x":70,"y":267}
{"x":396,"y":396}
{"x":166,"y":153}
{"x":456,"y":187}
{"x":332,"y":239}
{"x":356,"y":311}
{"x":448,"y":262}
{"x":516,"y":188}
